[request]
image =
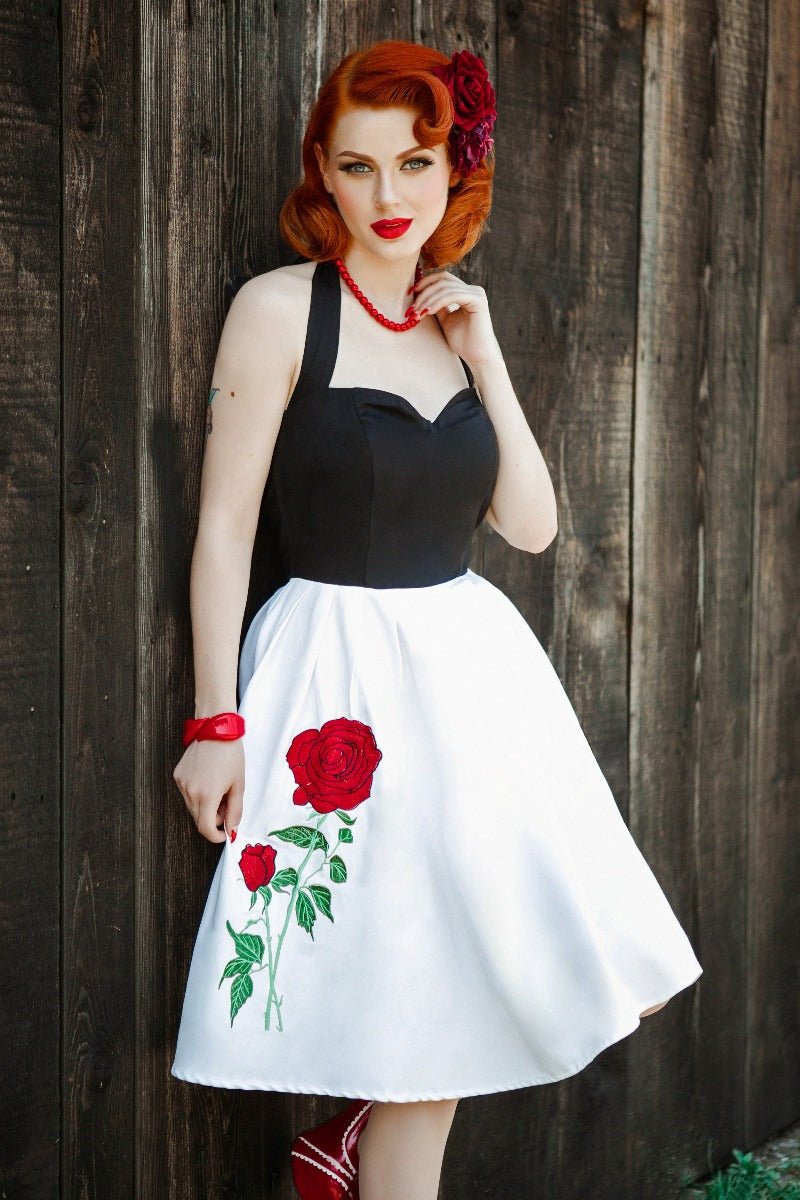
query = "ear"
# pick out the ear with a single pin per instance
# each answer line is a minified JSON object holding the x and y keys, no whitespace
{"x":322,"y":163}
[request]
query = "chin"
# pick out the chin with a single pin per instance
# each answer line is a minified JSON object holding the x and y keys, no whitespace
{"x":402,"y":247}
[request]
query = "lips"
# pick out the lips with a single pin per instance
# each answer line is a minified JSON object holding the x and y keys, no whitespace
{"x":388,"y":229}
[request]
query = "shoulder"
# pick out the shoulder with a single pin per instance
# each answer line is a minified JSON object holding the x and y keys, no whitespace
{"x":283,"y":289}
{"x":269,"y":315}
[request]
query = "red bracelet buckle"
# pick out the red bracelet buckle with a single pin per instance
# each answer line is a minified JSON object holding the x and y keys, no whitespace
{"x":224,"y":727}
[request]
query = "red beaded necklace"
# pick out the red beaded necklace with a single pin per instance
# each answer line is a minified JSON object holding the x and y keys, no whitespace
{"x":398,"y":326}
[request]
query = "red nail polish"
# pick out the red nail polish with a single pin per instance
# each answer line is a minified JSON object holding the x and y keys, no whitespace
{"x":233,"y":835}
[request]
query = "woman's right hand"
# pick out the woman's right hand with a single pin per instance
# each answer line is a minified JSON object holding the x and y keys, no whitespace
{"x":210,"y":777}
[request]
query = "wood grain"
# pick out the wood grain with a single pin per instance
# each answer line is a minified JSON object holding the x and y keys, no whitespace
{"x":31,"y":624}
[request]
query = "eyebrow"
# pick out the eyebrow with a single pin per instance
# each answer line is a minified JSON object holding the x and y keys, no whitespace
{"x":353,"y":154}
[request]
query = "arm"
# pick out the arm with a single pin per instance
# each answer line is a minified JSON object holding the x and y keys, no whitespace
{"x":523,"y":507}
{"x":523,"y":504}
{"x":250,"y":384}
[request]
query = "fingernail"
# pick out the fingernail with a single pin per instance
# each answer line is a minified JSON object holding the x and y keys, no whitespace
{"x":233,"y":835}
{"x":422,"y":314}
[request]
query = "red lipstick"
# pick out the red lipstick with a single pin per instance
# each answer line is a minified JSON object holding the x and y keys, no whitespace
{"x":391,"y":229}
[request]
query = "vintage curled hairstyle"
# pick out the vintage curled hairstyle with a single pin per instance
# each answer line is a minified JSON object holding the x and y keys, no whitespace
{"x":384,"y":75}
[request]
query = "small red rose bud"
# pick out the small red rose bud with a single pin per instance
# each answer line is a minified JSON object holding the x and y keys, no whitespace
{"x":257,"y":864}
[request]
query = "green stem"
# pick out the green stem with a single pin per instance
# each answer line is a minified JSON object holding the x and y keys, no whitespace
{"x":295,"y":889}
{"x":316,"y":870}
{"x":271,"y":993}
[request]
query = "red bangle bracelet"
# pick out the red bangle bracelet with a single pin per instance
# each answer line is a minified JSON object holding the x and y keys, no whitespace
{"x":224,"y":727}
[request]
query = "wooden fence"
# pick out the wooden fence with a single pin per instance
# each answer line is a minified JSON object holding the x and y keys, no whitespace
{"x":643,"y":270}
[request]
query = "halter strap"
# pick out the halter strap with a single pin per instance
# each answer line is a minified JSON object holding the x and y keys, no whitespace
{"x":322,"y":331}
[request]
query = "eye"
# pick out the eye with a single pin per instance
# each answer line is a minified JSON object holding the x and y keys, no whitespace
{"x":350,"y":167}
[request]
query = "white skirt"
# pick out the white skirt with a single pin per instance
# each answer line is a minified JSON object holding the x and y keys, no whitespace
{"x":432,"y":892}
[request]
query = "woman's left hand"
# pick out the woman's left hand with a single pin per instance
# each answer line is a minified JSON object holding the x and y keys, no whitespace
{"x":468,"y":327}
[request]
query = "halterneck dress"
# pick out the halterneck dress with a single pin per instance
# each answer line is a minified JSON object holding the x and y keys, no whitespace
{"x":432,"y":892}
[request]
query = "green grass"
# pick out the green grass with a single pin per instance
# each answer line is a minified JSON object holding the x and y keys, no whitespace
{"x":746,"y":1179}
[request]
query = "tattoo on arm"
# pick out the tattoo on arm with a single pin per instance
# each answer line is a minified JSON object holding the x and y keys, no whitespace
{"x":212,"y":392}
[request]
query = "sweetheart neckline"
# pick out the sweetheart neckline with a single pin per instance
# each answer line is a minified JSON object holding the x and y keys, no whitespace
{"x":470,"y":387}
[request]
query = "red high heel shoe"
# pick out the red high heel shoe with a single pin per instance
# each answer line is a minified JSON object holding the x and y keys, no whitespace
{"x":325,"y":1158}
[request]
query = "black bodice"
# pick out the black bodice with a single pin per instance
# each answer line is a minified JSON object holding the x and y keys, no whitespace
{"x":362,"y":489}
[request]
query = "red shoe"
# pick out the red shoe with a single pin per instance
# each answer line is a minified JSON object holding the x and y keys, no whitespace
{"x":325,"y":1158}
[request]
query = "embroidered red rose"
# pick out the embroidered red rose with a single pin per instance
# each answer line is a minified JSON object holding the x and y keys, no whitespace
{"x":333,"y":765}
{"x":257,"y":864}
{"x":333,"y":768}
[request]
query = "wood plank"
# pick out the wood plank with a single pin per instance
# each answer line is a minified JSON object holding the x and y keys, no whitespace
{"x":771,"y":1002}
{"x":698,"y":297}
{"x":99,"y":720}
{"x":30,"y":682}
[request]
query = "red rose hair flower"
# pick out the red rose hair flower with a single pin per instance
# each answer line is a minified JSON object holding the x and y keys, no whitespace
{"x":474,"y":105}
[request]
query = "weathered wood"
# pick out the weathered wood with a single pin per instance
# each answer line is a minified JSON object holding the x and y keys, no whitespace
{"x":691,"y":553}
{"x":772,"y":832}
{"x":99,"y":800}
{"x":30,"y":530}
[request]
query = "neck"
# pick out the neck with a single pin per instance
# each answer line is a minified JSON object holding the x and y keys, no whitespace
{"x":385,"y":283}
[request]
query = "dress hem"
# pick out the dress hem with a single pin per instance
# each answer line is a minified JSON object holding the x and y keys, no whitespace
{"x":485,"y":1090}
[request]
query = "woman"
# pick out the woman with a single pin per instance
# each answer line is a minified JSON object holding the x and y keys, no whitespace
{"x":434,"y":894}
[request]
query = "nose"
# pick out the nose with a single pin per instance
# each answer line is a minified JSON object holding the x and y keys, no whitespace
{"x":386,"y":191}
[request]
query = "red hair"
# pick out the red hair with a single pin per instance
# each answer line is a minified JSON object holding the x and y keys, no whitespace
{"x":383,"y":75}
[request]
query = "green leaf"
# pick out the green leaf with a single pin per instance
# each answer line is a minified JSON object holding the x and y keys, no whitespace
{"x":253,"y":898}
{"x":345,"y":835}
{"x":322,"y":898}
{"x":249,"y":946}
{"x":285,"y":878}
{"x":338,"y":869}
{"x":237,"y":966}
{"x":343,"y":816}
{"x":301,"y":835}
{"x":266,"y":893}
{"x":304,"y":911}
{"x":241,"y":990}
